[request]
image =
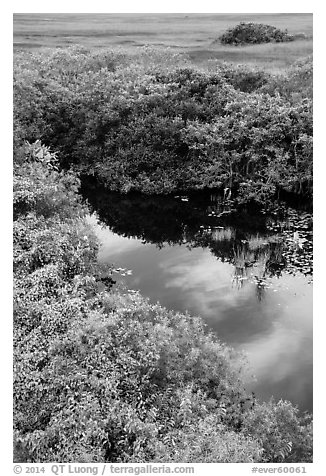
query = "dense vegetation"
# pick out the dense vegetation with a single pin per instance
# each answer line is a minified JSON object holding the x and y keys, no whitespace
{"x":253,"y":33}
{"x":105,"y":376}
{"x":102,"y":375}
{"x":152,"y":122}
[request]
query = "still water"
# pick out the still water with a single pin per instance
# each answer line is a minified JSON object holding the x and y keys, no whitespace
{"x":248,"y":275}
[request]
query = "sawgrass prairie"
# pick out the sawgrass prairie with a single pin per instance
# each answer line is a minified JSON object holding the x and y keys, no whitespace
{"x":195,"y":34}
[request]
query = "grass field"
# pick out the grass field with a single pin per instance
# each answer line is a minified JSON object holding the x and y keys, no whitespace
{"x":193,"y":34}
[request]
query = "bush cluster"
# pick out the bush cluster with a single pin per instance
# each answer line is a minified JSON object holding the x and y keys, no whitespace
{"x":158,"y":128}
{"x":254,"y":33}
{"x":161,"y":127}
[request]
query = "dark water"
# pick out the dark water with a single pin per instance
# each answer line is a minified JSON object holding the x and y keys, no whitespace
{"x":247,"y":274}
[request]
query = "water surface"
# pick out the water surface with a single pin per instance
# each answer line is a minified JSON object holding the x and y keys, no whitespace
{"x":247,"y":276}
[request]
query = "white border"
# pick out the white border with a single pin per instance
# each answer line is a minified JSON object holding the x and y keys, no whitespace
{"x":168,"y":6}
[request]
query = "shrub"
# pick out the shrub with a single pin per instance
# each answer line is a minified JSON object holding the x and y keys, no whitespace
{"x":253,"y":33}
{"x":296,"y":84}
{"x":242,"y":77}
{"x":285,"y":435}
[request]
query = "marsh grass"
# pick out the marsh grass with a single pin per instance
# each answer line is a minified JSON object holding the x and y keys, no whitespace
{"x":222,"y":235}
{"x":257,"y":242}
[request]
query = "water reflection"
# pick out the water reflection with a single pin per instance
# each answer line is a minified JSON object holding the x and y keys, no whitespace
{"x":231,"y":268}
{"x":259,"y":245}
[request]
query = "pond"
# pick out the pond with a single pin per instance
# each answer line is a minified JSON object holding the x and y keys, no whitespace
{"x":247,"y":273}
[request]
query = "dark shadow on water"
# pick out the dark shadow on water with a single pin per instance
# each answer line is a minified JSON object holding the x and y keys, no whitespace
{"x":248,"y":237}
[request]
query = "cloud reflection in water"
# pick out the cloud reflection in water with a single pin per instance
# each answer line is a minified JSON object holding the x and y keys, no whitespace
{"x":275,"y":332}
